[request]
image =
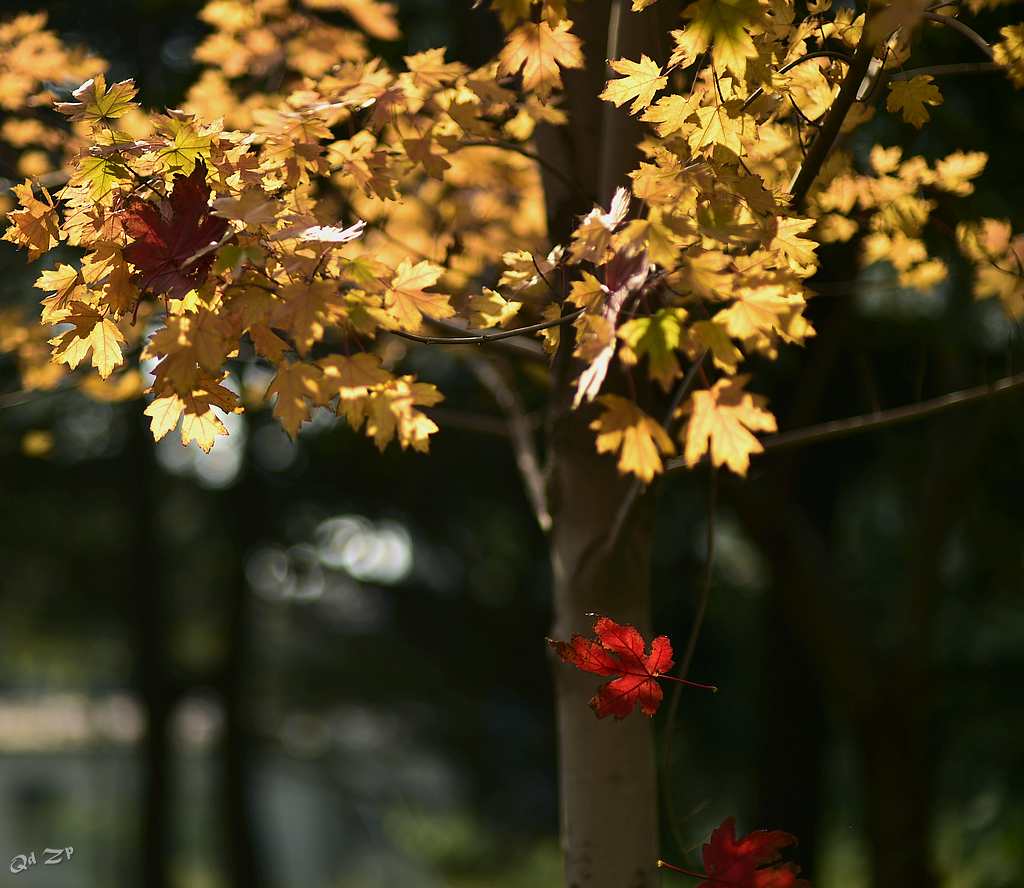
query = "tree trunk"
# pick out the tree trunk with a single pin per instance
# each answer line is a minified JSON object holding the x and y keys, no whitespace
{"x":609,"y":815}
{"x":607,"y":772}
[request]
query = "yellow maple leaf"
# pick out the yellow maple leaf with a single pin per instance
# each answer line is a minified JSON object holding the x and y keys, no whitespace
{"x":639,"y":439}
{"x":34,"y":226}
{"x":1009,"y":52}
{"x":798,"y":251}
{"x":491,"y":309}
{"x":593,"y":234}
{"x":538,"y":49}
{"x":297,"y":386}
{"x":406,"y":300}
{"x":910,"y":97}
{"x":253,"y":207}
{"x":954,"y":173}
{"x":351,"y":377}
{"x":97,"y":104}
{"x":200,"y":424}
{"x":640,"y":82}
{"x":721,"y":24}
{"x":670,"y":114}
{"x":721,"y":420}
{"x":164,"y":413}
{"x":374,"y":17}
{"x":714,"y":337}
{"x":91,"y":333}
{"x":62,"y":282}
{"x":715,"y":126}
{"x":391,"y":413}
{"x":431,"y":71}
{"x":656,"y":336}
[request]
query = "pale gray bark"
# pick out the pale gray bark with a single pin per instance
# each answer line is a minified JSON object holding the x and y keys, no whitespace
{"x":608,"y":781}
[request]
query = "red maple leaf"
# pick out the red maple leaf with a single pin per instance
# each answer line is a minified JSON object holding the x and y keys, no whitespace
{"x":167,"y":233}
{"x":750,"y":862}
{"x":620,"y":650}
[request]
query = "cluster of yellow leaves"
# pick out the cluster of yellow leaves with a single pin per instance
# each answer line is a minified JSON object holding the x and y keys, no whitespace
{"x":1009,"y":52}
{"x":301,"y":132}
{"x":999,"y":262}
{"x":889,"y":204}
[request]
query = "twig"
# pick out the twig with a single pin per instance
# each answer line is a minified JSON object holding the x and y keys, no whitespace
{"x":626,"y":506}
{"x":789,"y":66}
{"x":954,"y":68}
{"x":683,"y":668}
{"x":842,"y":428}
{"x":489,"y":336}
{"x":521,"y":434}
{"x":961,"y":28}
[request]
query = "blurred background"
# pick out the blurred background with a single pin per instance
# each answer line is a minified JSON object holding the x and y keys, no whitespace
{"x":340,"y":654}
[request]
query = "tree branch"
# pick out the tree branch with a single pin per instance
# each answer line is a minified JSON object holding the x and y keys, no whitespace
{"x":869,"y":422}
{"x":954,"y":68}
{"x":961,"y":28}
{"x":834,"y":118}
{"x":490,"y":336}
{"x":521,"y":435}
{"x":635,"y":487}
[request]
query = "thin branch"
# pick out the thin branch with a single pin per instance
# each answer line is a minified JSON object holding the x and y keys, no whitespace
{"x":869,"y":422}
{"x":834,"y":118}
{"x":521,"y":434}
{"x":522,"y":348}
{"x":789,"y":66}
{"x":841,"y":428}
{"x":961,"y":28}
{"x":626,"y":506}
{"x":954,"y":68}
{"x":703,"y":597}
{"x":488,"y":336}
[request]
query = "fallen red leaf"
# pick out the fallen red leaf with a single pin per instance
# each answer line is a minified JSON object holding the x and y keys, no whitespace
{"x":169,"y":232}
{"x":620,"y":650}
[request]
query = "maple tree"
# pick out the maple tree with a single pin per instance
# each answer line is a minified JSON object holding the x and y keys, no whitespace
{"x":310,"y":204}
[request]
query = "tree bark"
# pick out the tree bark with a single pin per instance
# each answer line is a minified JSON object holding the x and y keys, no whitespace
{"x":607,"y":773}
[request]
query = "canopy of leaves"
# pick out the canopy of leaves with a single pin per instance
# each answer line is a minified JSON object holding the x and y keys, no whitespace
{"x":311,"y":202}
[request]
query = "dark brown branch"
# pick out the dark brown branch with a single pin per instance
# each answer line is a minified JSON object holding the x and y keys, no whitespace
{"x":842,"y":428}
{"x":789,"y":66}
{"x":683,"y":670}
{"x":490,"y":336}
{"x":834,"y":118}
{"x":954,"y":68}
{"x":961,"y":28}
